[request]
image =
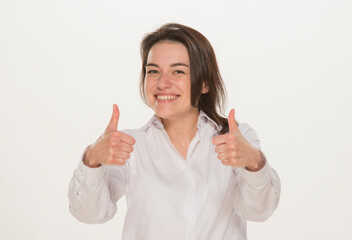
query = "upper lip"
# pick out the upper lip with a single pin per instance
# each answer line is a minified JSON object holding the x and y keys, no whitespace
{"x":166,"y":94}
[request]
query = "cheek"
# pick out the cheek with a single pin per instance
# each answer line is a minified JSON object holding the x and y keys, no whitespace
{"x":185,"y":87}
{"x":149,"y":89}
{"x":146,"y":87}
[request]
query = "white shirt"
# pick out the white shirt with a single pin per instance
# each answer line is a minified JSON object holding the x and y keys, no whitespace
{"x":171,"y":198}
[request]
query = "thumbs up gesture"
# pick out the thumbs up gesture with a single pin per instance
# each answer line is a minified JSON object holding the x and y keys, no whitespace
{"x":234,"y":150}
{"x":112,"y":148}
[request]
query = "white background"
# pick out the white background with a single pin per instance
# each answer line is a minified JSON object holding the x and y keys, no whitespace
{"x":287,"y":67}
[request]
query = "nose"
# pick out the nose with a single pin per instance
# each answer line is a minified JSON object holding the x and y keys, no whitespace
{"x":164,"y":81}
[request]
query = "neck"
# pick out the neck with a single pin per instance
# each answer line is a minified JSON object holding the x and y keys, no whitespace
{"x":182,"y":129}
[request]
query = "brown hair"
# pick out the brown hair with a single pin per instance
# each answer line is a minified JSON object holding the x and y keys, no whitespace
{"x":203,"y":66}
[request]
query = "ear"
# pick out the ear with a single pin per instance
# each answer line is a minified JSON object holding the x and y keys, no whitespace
{"x":205,"y":88}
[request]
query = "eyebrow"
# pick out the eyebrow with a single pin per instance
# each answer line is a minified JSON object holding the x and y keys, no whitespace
{"x":172,"y":65}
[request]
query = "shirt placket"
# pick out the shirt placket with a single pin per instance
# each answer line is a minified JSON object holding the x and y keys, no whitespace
{"x":192,"y":200}
{"x":195,"y":188}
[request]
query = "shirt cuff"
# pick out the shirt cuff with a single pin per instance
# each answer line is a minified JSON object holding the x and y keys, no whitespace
{"x":256,"y":178}
{"x":91,"y":176}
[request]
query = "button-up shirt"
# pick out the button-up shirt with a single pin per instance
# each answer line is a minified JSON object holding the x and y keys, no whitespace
{"x":169,"y":197}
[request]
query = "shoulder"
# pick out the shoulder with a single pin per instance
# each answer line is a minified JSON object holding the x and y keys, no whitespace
{"x":244,"y":127}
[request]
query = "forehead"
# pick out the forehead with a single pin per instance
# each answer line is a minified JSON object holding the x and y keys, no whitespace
{"x":168,"y":52}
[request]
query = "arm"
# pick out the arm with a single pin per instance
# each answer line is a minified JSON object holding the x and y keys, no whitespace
{"x":102,"y":176}
{"x":258,"y":192}
{"x":93,"y":192}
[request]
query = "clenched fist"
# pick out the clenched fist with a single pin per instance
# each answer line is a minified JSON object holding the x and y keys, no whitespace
{"x":234,"y":150}
{"x":112,"y":148}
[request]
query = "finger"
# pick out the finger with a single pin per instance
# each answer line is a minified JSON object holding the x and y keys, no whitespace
{"x":226,"y":162}
{"x":223,"y":156}
{"x":119,"y":137}
{"x":220,"y":148}
{"x":118,"y":161}
{"x":127,"y":138}
{"x":232,"y":122}
{"x":114,"y":120}
{"x":124,"y":147}
{"x":220,"y":139}
{"x":121,"y":154}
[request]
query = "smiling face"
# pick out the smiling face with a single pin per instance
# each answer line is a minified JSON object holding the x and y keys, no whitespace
{"x":168,"y":81}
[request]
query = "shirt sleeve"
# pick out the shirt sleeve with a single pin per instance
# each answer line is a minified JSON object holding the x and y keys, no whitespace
{"x":258,"y":192}
{"x":94,"y":192}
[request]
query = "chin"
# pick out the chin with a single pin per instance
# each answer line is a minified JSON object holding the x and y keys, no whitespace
{"x":164,"y":114}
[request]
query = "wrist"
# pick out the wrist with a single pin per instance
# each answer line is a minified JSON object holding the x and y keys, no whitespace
{"x":258,"y":161}
{"x":87,"y":158}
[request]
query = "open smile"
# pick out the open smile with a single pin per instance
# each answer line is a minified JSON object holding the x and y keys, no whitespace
{"x":166,"y":98}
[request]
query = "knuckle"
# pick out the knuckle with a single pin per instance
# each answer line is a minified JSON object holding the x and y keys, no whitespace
{"x":112,"y":140}
{"x":115,"y":134}
{"x":111,"y":144}
{"x":110,"y":152}
{"x":121,"y":161}
{"x":228,"y":137}
{"x":225,"y":162}
{"x":110,"y":160}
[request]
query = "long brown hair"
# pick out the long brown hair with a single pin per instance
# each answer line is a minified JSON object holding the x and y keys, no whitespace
{"x":203,"y":66}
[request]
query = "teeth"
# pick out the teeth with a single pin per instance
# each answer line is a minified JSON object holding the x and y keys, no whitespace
{"x":166,"y":97}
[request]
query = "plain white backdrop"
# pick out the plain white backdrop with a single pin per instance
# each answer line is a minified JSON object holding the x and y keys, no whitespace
{"x":287,"y":66}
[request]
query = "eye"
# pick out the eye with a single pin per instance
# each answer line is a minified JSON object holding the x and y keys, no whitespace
{"x":179,"y":72}
{"x":152,"y":71}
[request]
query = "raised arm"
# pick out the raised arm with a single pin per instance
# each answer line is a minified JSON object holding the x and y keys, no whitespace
{"x":258,"y":190}
{"x":101,"y":177}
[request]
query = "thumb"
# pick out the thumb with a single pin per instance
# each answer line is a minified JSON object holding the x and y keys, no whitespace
{"x":232,"y":122}
{"x":112,"y":127}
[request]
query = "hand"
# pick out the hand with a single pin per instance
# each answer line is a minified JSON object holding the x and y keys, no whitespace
{"x":234,"y":150}
{"x":112,"y":148}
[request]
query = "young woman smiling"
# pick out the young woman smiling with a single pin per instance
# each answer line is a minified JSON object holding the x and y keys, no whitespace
{"x":189,"y":173}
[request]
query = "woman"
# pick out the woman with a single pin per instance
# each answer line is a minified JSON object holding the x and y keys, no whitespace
{"x":188,"y":173}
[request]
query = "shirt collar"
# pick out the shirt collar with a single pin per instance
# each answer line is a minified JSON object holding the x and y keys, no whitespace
{"x":154,"y":121}
{"x":202,"y":120}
